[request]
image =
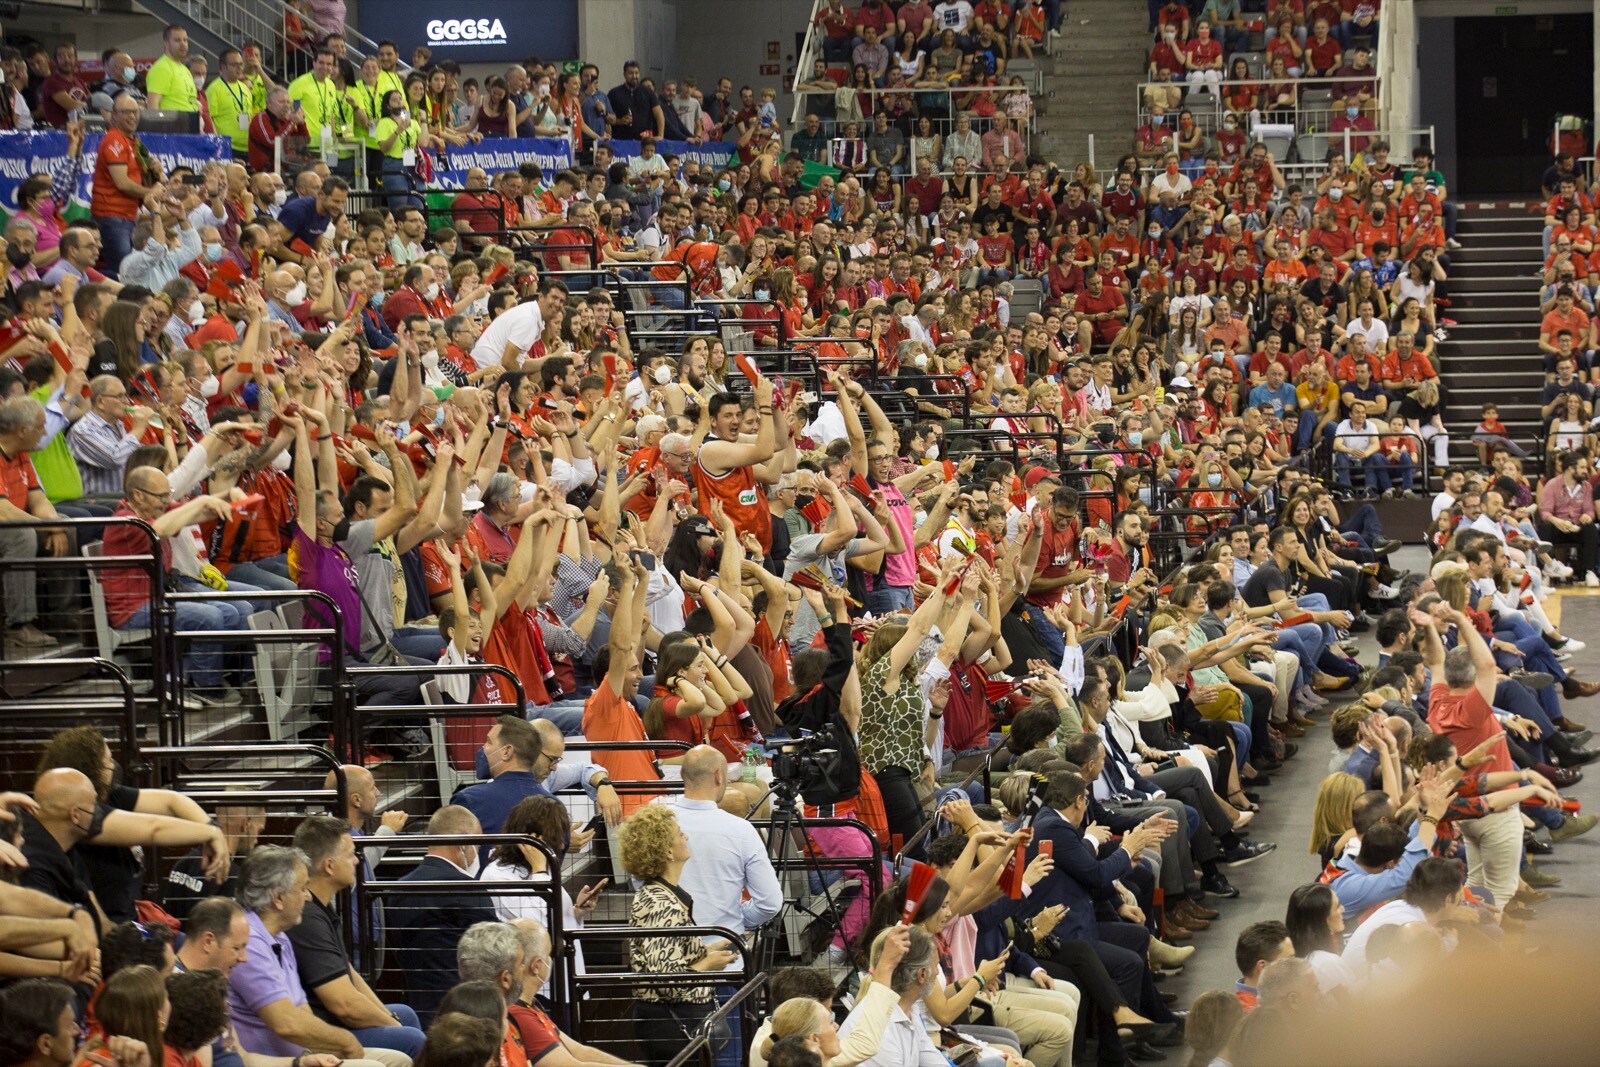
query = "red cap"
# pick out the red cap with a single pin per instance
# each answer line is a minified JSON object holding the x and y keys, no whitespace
{"x":1035,"y":476}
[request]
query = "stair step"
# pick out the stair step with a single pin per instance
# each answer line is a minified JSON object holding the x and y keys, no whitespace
{"x":1499,"y":284}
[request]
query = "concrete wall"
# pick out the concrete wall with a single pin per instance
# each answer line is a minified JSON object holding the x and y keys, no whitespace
{"x":729,"y":38}
{"x":1436,"y":85}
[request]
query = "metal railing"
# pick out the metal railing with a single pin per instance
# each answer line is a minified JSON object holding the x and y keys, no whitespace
{"x":942,"y":121}
{"x":700,"y":1049}
{"x":1211,"y":105}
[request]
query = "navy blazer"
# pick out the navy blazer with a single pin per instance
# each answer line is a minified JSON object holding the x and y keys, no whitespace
{"x":423,"y":931}
{"x":1079,"y":879}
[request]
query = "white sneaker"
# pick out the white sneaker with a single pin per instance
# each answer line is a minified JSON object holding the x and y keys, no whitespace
{"x":1384,"y":592}
{"x":1573,"y":645}
{"x":1556,"y":569}
{"x":1592,"y":580}
{"x":1452,"y":243}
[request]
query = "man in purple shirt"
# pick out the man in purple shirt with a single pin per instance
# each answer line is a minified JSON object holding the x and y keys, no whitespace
{"x":269,"y":1007}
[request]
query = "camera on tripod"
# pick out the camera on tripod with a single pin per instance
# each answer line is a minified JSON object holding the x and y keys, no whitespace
{"x":792,"y":757}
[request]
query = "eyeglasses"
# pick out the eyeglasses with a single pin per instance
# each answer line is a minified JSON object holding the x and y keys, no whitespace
{"x":165,"y":498}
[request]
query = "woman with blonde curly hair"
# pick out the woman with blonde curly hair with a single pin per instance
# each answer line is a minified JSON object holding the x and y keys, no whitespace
{"x":654,"y":850}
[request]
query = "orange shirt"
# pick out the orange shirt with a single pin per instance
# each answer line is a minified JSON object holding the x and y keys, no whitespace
{"x":743,"y":500}
{"x":1276,"y":271}
{"x":1576,"y":320}
{"x":607,"y":717}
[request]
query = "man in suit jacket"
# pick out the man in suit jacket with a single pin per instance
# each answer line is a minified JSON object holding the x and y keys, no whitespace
{"x":424,"y":929}
{"x":1081,"y":879}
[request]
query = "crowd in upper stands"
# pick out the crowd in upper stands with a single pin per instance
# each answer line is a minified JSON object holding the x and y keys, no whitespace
{"x":928,"y":449}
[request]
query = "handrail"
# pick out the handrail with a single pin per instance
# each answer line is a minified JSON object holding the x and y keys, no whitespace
{"x":630,"y":979}
{"x":131,"y":755}
{"x":804,"y":61}
{"x":702,"y":1041}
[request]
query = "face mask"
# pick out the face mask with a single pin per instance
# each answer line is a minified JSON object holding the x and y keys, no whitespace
{"x":213,"y":251}
{"x":724,"y":184}
{"x":1106,"y":434}
{"x":209,"y":387}
{"x":1352,"y":111}
{"x":663,"y":374}
{"x":1205,"y":230}
{"x":438,"y":416}
{"x":377,"y":299}
{"x":1172,"y":169}
{"x":1336,"y":194}
{"x":296,"y":295}
{"x":1135,"y":438}
{"x":1229,"y":124}
{"x":933,"y":452}
{"x":1214,"y":479}
{"x":1155,"y":231}
{"x":1157,"y":120}
{"x":432,"y":291}
{"x":197,"y":312}
{"x":763,"y":294}
{"x":1172,"y":35}
{"x":473,"y":864}
{"x":46,"y":207}
{"x":17,"y":256}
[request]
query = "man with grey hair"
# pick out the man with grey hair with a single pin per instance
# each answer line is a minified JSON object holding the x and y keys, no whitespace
{"x":492,"y":952}
{"x":163,"y":243}
{"x":22,"y":424}
{"x":904,"y":1042}
{"x":22,"y":238}
{"x":538,"y":1030}
{"x":1289,"y":983}
{"x":269,"y":1005}
{"x":1460,"y":706}
{"x":98,"y":441}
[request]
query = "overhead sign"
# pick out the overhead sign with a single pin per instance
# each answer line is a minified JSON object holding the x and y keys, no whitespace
{"x":475,"y":31}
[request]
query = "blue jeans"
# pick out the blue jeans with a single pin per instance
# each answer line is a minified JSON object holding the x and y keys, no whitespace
{"x":1048,"y":635}
{"x":887,"y":598}
{"x":261,"y":577}
{"x":399,"y":185}
{"x":116,"y":241}
{"x":1374,"y":471}
{"x":1306,"y":642}
{"x":203,"y":661}
{"x":422,"y":642}
{"x":731,"y":1052}
{"x":567,"y":715}
{"x":407,"y":1037}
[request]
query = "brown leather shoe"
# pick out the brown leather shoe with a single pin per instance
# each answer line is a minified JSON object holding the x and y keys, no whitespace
{"x":1573,"y":689}
{"x":1175,"y":928}
{"x":1570,"y":726}
{"x":1297,"y":719}
{"x":1190,"y":918}
{"x":1293,"y":729}
{"x":1200,"y":909}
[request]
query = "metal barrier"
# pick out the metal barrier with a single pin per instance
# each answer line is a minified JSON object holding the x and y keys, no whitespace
{"x":586,"y":997}
{"x":1306,"y":120}
{"x":700,"y":1047}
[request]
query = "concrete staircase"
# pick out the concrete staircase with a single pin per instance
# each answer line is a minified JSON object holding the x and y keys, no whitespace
{"x":1492,"y":354}
{"x":1090,"y":80}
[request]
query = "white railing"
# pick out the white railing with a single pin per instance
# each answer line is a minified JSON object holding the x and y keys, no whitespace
{"x":943,"y":126}
{"x":1205,"y":103}
{"x":262,"y":21}
{"x":810,"y":49}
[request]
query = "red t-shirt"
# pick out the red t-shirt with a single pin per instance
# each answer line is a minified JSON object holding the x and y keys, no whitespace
{"x":1468,"y":721}
{"x":107,"y":200}
{"x":17,"y":479}
{"x":996,"y":248}
{"x":128,"y":589}
{"x":1058,"y":554}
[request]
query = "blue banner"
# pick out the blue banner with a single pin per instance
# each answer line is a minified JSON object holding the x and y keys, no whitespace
{"x":714,"y":154}
{"x":495,"y":154}
{"x":25,"y":152}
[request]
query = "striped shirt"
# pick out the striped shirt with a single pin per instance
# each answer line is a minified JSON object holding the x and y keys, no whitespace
{"x":101,"y":448}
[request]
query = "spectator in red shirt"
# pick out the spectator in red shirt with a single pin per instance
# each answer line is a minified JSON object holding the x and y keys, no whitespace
{"x":838,"y":30}
{"x":124,"y":175}
{"x":22,"y":500}
{"x":269,"y":125}
{"x":1167,"y":54}
{"x":1102,"y":310}
{"x":64,"y":92}
{"x":1352,"y":118}
{"x":1323,"y":54}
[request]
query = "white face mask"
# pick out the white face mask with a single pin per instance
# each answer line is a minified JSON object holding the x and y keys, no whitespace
{"x":430,"y":359}
{"x":209,"y":387}
{"x":197,"y":312}
{"x":663,"y":374}
{"x":432,"y":291}
{"x":933,"y":452}
{"x":920,"y":360}
{"x":296,"y":295}
{"x":280,"y":462}
{"x":281,"y":197}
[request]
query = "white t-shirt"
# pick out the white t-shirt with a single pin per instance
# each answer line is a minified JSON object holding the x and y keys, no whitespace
{"x":1359,"y":440}
{"x":1394,"y":913}
{"x":1377,"y":335}
{"x":952,"y":15}
{"x":520,"y":326}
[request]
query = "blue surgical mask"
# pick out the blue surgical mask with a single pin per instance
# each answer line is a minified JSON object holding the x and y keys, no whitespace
{"x":480,"y":765}
{"x":1214,"y":479}
{"x":128,"y":74}
{"x":1157,"y":120}
{"x":763,"y":294}
{"x":213,"y":251}
{"x":724,"y":184}
{"x":1352,"y":111}
{"x":1135,"y":438}
{"x":377,"y":299}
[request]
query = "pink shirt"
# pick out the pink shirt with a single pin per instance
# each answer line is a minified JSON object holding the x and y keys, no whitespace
{"x":901,"y":569}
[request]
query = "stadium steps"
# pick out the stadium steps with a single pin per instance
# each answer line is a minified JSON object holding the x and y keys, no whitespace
{"x":1492,"y":352}
{"x":1090,"y":82}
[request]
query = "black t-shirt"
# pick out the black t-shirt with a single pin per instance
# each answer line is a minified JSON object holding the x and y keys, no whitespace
{"x":1266,"y":585}
{"x":319,"y":954}
{"x":1001,"y":211}
{"x":834,"y":777}
{"x":114,"y":872}
{"x":104,"y":360}
{"x":1327,"y":298}
{"x":51,"y":871}
{"x":187,"y":884}
{"x":1555,"y":389}
{"x":1020,"y":637}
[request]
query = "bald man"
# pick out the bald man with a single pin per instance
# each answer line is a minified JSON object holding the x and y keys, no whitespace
{"x":70,"y":813}
{"x":727,"y":858}
{"x":284,"y":293}
{"x":424,"y":929}
{"x":363,"y":798}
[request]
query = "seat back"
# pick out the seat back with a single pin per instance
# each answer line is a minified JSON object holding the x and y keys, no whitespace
{"x":107,"y":637}
{"x":447,"y":778}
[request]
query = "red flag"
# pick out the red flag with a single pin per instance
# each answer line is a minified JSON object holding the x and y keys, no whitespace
{"x":747,"y":368}
{"x":496,"y":272}
{"x":917,"y":884}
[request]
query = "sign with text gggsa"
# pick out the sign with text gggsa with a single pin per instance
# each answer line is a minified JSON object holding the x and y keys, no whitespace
{"x":475,"y":31}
